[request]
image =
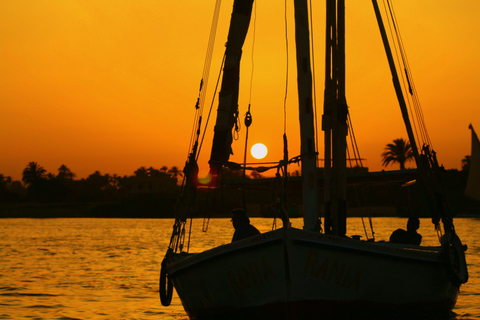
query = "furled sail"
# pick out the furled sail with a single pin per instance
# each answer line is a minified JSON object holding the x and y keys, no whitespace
{"x":473,"y":184}
{"x":228,"y":100}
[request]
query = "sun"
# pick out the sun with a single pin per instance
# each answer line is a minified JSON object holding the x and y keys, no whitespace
{"x":259,"y":151}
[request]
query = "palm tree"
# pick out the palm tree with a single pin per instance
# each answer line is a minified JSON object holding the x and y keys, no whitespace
{"x":64,"y":173}
{"x":114,"y":181}
{"x":466,"y":163}
{"x":164,"y":169}
{"x":399,"y":151}
{"x":141,"y":172}
{"x":33,"y":172}
{"x":97,"y":181}
{"x":175,"y":172}
{"x":5,"y":179}
{"x":152,"y":172}
{"x":50,"y":176}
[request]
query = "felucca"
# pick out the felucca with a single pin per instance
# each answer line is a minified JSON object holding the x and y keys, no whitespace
{"x":291,"y":273}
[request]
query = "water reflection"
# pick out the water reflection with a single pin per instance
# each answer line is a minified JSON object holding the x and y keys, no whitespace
{"x":108,"y":268}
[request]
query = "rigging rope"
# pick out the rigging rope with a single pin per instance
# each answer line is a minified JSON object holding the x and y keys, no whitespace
{"x":359,"y":189}
{"x":177,"y":239}
{"x":412,"y":88}
{"x":248,"y":122}
{"x":409,"y":79}
{"x":412,"y":99}
{"x":248,"y":115}
{"x":286,"y":74}
{"x":211,"y":107}
{"x":253,"y":50}
{"x":356,"y":151}
{"x":204,"y":81}
{"x":397,"y":48}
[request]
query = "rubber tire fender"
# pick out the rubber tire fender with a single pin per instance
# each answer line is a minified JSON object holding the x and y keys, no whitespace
{"x":454,"y":257}
{"x":165,"y":286}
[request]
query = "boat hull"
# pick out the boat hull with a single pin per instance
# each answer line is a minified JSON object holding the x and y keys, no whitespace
{"x":294,"y":274}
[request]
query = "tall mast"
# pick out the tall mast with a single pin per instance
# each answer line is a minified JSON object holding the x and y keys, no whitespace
{"x":334,"y":122}
{"x":397,"y":86}
{"x":427,"y":165}
{"x":339,"y":132}
{"x":307,"y":128}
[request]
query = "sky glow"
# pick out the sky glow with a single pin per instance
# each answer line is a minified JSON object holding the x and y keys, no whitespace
{"x":111,"y":86}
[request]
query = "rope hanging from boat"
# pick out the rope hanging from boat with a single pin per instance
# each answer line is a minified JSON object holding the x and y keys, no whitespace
{"x":187,"y":194}
{"x":187,"y":197}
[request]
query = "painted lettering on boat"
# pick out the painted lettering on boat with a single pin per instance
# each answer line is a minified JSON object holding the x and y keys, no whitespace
{"x":329,"y":238}
{"x":333,"y":271}
{"x":250,"y":275}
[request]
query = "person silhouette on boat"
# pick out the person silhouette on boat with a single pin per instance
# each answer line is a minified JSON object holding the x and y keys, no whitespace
{"x":241,"y":223}
{"x":410,"y":236}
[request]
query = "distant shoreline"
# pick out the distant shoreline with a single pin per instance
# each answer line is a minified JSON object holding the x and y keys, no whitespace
{"x":120,"y":210}
{"x":83,"y":210}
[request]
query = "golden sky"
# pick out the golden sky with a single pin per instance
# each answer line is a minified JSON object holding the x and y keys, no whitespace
{"x":111,"y":85}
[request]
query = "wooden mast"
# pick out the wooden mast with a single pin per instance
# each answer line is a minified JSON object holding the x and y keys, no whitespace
{"x":328,"y":103}
{"x":397,"y":86}
{"x":334,"y":122}
{"x":427,"y":164}
{"x":307,"y":128}
{"x":434,"y":196}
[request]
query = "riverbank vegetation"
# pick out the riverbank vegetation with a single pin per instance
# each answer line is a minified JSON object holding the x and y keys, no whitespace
{"x":153,"y":193}
{"x":41,"y":193}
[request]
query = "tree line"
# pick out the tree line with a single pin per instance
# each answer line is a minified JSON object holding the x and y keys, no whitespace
{"x":401,"y":152}
{"x":42,"y":186}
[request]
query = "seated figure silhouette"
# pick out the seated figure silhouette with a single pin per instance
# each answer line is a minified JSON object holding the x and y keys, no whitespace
{"x":241,"y":223}
{"x":410,"y":236}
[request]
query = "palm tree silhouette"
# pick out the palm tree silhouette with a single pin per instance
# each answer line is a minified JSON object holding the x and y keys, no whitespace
{"x":399,"y":151}
{"x":175,"y":172}
{"x":152,"y":172}
{"x":33,"y":172}
{"x":141,"y":172}
{"x":5,"y":181}
{"x":64,"y":173}
{"x":114,"y":181}
{"x":466,"y":163}
{"x":97,"y":181}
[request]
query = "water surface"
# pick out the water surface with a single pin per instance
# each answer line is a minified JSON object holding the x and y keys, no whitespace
{"x":109,"y":268}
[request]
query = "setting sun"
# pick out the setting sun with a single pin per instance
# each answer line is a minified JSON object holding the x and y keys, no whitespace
{"x":259,"y":151}
{"x":85,"y":83}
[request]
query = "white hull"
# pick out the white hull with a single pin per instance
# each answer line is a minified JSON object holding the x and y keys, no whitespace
{"x":292,"y":273}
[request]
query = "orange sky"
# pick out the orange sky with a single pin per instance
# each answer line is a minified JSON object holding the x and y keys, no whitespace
{"x":111,"y":85}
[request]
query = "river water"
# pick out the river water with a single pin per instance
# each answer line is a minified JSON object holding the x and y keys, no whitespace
{"x":108,"y":268}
